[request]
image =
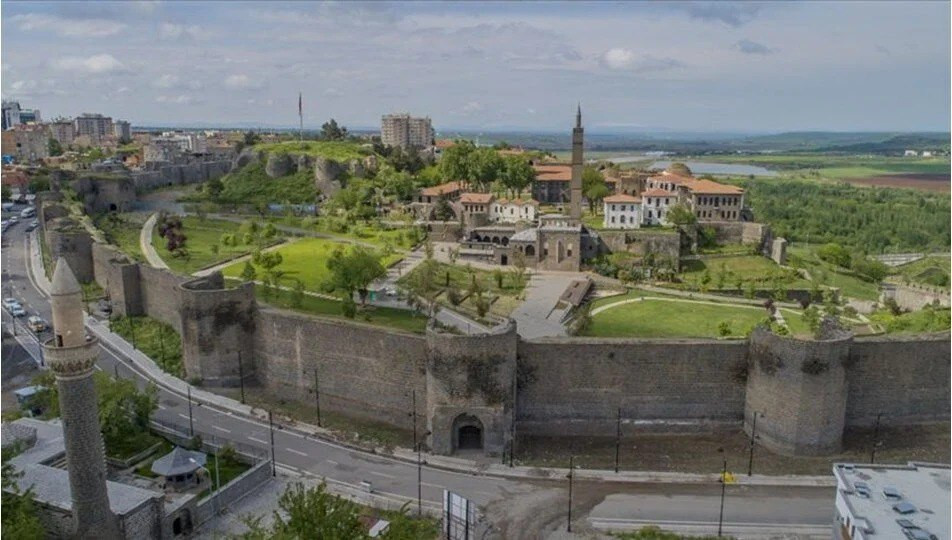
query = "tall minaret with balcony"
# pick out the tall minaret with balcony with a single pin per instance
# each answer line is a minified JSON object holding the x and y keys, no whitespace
{"x":72,"y":359}
{"x":575,"y":187}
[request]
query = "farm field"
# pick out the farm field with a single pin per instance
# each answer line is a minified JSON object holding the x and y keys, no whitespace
{"x":306,"y":260}
{"x":202,"y":236}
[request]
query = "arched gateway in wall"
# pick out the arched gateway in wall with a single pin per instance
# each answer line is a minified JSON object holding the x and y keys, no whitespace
{"x":467,"y":433}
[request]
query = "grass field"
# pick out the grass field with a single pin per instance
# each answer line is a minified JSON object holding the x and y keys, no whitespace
{"x":251,"y":185}
{"x":804,"y":256}
{"x":656,"y":318}
{"x":460,"y":278}
{"x":930,"y":271}
{"x":839,"y":166}
{"x":155,"y":339}
{"x":729,"y":272}
{"x":336,"y":150}
{"x":306,"y":260}
{"x":365,"y":232}
{"x":399,"y":319}
{"x":122,"y":230}
{"x":202,"y":236}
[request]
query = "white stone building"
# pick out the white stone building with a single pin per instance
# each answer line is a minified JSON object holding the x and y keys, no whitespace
{"x":622,"y":211}
{"x":655,"y":205}
{"x":513,"y":210}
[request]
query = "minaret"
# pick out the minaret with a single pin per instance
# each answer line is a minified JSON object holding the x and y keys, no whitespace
{"x":71,"y":358}
{"x":575,"y":188}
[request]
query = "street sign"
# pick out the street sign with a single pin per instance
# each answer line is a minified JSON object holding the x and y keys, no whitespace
{"x":459,"y":517}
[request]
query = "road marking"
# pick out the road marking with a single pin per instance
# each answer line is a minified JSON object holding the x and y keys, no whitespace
{"x":162,"y":407}
{"x":222,"y":429}
{"x":257,"y":440}
{"x":183,"y":416}
{"x":298,"y":452}
{"x":431,"y":485}
{"x":332,"y":462}
{"x":380,"y":474}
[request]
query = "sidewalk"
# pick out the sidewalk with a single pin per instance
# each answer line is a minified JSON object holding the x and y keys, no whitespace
{"x":148,"y":367}
{"x":145,"y":244}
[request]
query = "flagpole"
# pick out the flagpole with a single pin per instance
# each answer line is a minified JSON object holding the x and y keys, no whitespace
{"x":301,"y":116}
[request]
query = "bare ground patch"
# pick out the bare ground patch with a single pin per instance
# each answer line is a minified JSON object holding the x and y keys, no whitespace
{"x":926,"y":182}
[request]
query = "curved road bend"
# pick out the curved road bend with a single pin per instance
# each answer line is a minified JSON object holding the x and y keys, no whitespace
{"x":520,"y":508}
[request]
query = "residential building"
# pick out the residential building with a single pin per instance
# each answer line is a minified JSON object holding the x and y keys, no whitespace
{"x":552,"y":182}
{"x":26,"y":143}
{"x":891,"y":501}
{"x":656,"y":204}
{"x":449,"y":191}
{"x":622,"y":211}
{"x":11,"y":114}
{"x":122,"y":129}
{"x":30,"y":116}
{"x":910,"y":153}
{"x":404,"y":131}
{"x":712,"y":201}
{"x":513,"y":210}
{"x":62,"y":130}
{"x":96,"y":126}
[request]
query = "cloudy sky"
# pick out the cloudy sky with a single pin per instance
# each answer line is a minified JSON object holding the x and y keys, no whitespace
{"x":705,"y":66}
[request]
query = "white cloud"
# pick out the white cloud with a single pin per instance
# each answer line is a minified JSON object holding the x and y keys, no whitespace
{"x":472,"y":107}
{"x":242,"y":81}
{"x":181,"y":99}
{"x":618,"y":58}
{"x":167,"y":81}
{"x":96,"y":64}
{"x":84,"y":28}
{"x":176,"y":31}
{"x":23,"y":86}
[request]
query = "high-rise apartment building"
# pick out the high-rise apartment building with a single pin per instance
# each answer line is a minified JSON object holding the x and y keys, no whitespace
{"x":122,"y":129}
{"x":96,"y":126}
{"x":11,"y":114}
{"x":62,"y":130}
{"x":405,"y":131}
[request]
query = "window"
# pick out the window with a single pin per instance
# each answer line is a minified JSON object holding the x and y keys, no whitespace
{"x":613,"y":208}
{"x":622,"y":208}
{"x":649,"y":214}
{"x":613,"y":219}
{"x":622,"y":218}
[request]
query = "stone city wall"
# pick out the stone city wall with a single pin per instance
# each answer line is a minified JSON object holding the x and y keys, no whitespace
{"x":906,"y":379}
{"x":161,"y":295}
{"x":739,"y":232}
{"x":641,"y":242}
{"x":361,"y":370}
{"x":67,"y":239}
{"x":574,"y":386}
{"x":169,"y":175}
{"x":915,"y":297}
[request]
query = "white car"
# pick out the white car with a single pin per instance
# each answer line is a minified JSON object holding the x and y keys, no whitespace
{"x":17,"y":311}
{"x":390,"y":291}
{"x":9,"y":303}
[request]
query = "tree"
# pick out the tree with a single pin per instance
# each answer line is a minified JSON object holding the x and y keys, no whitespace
{"x":124,"y":410}
{"x":455,"y":162}
{"x":54,"y":147}
{"x":498,"y":277}
{"x":248,"y":273}
{"x":19,"y":519}
{"x":7,"y":192}
{"x":214,"y":187}
{"x":309,"y":513}
{"x":835,"y":254}
{"x":517,"y":174}
{"x":355,"y":270}
{"x":724,"y":328}
{"x":593,"y":186}
{"x":485,"y":165}
{"x":443,"y":210}
{"x":680,"y":215}
{"x":330,"y":131}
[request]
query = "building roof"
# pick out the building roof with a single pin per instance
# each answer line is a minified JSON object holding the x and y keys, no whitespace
{"x":526,"y":235}
{"x":676,"y":179}
{"x":518,"y":202}
{"x":51,"y":486}
{"x":655,"y":192}
{"x":442,"y":189}
{"x":64,"y":280}
{"x":622,"y":198}
{"x":713,"y":188}
{"x":43,"y":441}
{"x":178,"y":461}
{"x":924,"y":486}
{"x":445,"y":143}
{"x":477,"y":198}
{"x":553,"y":173}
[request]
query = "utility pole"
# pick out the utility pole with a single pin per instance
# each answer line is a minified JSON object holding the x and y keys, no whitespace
{"x":419,"y":478}
{"x":568,"y":525}
{"x":274,"y":471}
{"x":132,"y":331}
{"x":617,"y":439}
{"x":413,"y":414}
{"x":317,"y":397}
{"x":872,"y":454}
{"x":753,"y":438}
{"x":512,"y":421}
{"x":191,"y":427}
{"x":301,"y":116}
{"x":115,"y":370}
{"x":241,"y":378}
{"x":162,"y":341}
{"x":720,"y":518}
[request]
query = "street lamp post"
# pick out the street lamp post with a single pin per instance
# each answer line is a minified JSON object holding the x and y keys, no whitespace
{"x":872,"y":454}
{"x":720,"y":517}
{"x":191,"y":427}
{"x":568,"y":524}
{"x":317,"y":397}
{"x":274,"y":470}
{"x":419,"y":461}
{"x":753,"y":439}
{"x":617,"y":439}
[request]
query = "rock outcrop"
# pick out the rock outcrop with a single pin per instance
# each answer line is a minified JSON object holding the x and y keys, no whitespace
{"x":327,"y":173}
{"x":279,"y":165}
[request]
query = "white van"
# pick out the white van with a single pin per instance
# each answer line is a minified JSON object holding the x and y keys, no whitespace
{"x":28,"y":212}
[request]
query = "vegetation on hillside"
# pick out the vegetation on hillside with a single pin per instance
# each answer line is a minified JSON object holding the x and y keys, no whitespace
{"x":336,"y":150}
{"x":871,"y":220}
{"x":251,"y":185}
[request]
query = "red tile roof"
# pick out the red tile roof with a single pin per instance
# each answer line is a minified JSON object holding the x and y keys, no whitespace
{"x":708,"y":187}
{"x":441,"y":189}
{"x":553,"y":173}
{"x":622,"y":198}
{"x":477,"y":198}
{"x":533,"y":202}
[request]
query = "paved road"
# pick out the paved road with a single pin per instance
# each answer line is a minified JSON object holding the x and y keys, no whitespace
{"x":520,"y":508}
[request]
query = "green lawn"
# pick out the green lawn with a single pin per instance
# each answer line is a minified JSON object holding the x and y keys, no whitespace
{"x":804,"y":256}
{"x":336,"y":150}
{"x":925,"y":320}
{"x":728,"y":272}
{"x":157,"y":340}
{"x":122,"y":231}
{"x":930,"y":271}
{"x":654,"y":318}
{"x":399,"y":319}
{"x":202,"y":236}
{"x":306,"y":260}
{"x":364,"y":231}
{"x":127,"y":447}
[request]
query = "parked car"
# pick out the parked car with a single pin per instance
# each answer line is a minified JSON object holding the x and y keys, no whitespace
{"x":28,"y":212}
{"x":10,"y":302}
{"x":32,"y":225}
{"x":17,"y":311}
{"x":13,"y":220}
{"x":36,"y":324}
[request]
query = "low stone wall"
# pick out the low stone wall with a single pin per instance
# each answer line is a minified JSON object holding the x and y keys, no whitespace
{"x":739,"y":232}
{"x":665,"y":244}
{"x":915,"y":297}
{"x":232,"y":492}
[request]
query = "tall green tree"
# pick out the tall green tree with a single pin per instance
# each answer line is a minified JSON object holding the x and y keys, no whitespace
{"x":593,"y":186}
{"x":680,"y":214}
{"x":355,"y":270}
{"x":517,"y":174}
{"x":455,"y":163}
{"x":330,"y":131}
{"x":54,"y":147}
{"x":19,"y":519}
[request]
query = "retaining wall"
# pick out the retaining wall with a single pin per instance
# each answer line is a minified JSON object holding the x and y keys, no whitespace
{"x":232,"y":491}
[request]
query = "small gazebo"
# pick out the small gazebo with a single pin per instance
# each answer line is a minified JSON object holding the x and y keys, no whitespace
{"x":179,"y":468}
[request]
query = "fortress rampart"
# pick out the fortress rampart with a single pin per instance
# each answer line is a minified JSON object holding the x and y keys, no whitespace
{"x":478,"y":390}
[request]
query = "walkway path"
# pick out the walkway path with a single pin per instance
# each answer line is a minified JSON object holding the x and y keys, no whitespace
{"x":537,"y":316}
{"x":145,"y":244}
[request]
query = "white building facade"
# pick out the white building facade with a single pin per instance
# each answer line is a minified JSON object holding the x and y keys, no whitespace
{"x":513,"y":210}
{"x":622,"y":212}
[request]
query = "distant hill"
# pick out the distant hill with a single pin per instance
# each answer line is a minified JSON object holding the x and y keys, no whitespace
{"x":896,"y":145}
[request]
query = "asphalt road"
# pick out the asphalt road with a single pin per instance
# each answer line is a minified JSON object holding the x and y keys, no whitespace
{"x":518,"y":508}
